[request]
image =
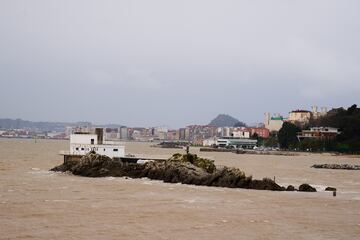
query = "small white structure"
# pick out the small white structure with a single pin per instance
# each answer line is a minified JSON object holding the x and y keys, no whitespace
{"x":83,"y":143}
{"x":273,"y":124}
{"x":241,"y":134}
{"x":316,"y":114}
{"x":209,"y":142}
{"x":236,"y":142}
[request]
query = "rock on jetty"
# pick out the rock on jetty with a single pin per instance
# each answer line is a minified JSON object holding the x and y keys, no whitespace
{"x":330,"y":189}
{"x":186,"y":169}
{"x":306,"y":188}
{"x":337,"y":166}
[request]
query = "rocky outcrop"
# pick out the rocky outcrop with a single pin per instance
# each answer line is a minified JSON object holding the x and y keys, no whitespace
{"x":186,"y":169}
{"x":290,"y":188}
{"x":306,"y":188}
{"x":337,"y":166}
{"x":205,"y":164}
{"x":330,"y":189}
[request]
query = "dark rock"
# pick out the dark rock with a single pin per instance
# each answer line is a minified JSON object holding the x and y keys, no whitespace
{"x":290,"y":188}
{"x":306,"y":188}
{"x":337,"y":166}
{"x":186,"y":169}
{"x":265,"y":184}
{"x":206,"y":164}
{"x":330,"y":189}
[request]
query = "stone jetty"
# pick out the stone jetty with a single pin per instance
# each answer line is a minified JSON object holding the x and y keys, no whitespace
{"x":186,"y":169}
{"x":337,"y":166}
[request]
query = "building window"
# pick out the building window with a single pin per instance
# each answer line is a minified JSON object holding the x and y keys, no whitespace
{"x":92,"y":141}
{"x":77,"y":149}
{"x":115,"y":150}
{"x":82,"y":149}
{"x":104,"y":149}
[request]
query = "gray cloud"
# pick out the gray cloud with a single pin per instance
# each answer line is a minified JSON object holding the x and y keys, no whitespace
{"x":175,"y":62}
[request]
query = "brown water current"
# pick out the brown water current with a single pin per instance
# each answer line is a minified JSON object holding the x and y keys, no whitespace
{"x":38,"y":204}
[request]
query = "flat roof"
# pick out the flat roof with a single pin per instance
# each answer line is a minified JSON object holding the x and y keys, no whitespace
{"x":300,"y":111}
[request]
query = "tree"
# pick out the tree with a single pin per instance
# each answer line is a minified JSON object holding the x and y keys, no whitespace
{"x":287,"y":135}
{"x":272,"y":140}
{"x":255,"y":136}
{"x":260,"y":140}
{"x":348,"y":122}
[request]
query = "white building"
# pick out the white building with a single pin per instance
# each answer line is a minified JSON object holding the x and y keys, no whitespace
{"x":320,"y":133}
{"x":299,"y":116}
{"x":209,"y":142}
{"x":317,"y":114}
{"x":236,"y":142}
{"x":240,"y":134}
{"x":68,"y":131}
{"x":112,"y":134}
{"x":124,"y":133}
{"x":274,"y":124}
{"x":83,"y":143}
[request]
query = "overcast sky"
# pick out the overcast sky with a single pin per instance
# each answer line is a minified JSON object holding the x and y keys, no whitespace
{"x":174,"y":63}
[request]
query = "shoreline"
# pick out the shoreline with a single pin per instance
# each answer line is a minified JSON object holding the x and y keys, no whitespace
{"x":277,"y":153}
{"x":207,"y":149}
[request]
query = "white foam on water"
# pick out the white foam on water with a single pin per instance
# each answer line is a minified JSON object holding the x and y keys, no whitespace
{"x":319,"y":188}
{"x":60,"y":200}
{"x":56,"y":200}
{"x":42,"y":173}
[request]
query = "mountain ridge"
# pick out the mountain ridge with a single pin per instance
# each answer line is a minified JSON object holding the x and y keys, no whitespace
{"x":8,"y":123}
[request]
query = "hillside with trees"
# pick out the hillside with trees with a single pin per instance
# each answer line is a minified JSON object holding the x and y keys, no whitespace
{"x":346,"y":120}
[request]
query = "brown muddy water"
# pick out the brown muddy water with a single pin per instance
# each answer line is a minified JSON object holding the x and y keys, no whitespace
{"x":38,"y":204}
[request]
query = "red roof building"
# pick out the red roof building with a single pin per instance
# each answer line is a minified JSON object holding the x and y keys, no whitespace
{"x":261,"y":132}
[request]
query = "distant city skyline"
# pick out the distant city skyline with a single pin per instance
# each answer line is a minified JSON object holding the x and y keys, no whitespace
{"x":314,"y":110}
{"x":175,"y":63}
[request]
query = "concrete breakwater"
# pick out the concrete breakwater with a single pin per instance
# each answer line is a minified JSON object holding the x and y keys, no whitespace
{"x":337,"y":166}
{"x":249,"y":151}
{"x":186,"y":169}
